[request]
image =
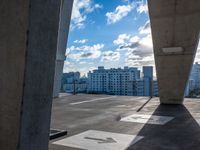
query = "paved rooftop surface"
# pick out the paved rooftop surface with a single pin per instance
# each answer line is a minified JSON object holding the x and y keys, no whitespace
{"x":103,"y":122}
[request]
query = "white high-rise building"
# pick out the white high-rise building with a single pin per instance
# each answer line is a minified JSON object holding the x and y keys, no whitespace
{"x":112,"y":81}
{"x":124,"y":81}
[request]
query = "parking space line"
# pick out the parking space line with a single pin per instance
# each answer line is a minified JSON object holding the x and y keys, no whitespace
{"x":93,"y":100}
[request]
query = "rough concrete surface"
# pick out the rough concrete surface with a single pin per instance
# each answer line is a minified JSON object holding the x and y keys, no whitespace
{"x":174,"y":23}
{"x":28,"y":42}
{"x":180,"y":133}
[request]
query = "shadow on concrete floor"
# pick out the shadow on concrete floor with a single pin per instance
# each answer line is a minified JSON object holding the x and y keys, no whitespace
{"x":181,"y":133}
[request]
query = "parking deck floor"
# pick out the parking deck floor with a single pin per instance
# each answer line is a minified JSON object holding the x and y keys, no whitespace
{"x":105,"y":122}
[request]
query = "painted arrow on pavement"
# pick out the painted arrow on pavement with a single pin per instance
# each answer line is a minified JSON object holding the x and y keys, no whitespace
{"x":102,"y":141}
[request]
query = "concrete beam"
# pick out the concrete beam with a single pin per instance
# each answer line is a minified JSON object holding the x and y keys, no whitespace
{"x":28,"y":44}
{"x":65,"y":16}
{"x":174,"y":23}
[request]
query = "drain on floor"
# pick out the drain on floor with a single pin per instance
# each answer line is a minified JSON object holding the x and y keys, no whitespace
{"x":55,"y":133}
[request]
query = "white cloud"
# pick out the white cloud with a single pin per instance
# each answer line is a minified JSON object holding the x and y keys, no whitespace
{"x":138,"y":49}
{"x":80,"y":10}
{"x":86,"y":48}
{"x":142,"y":8}
{"x":82,"y":62}
{"x":146,"y":28}
{"x":110,"y":56}
{"x":85,"y":52}
{"x":119,"y":13}
{"x":141,"y":53}
{"x":66,"y":63}
{"x":81,"y":41}
{"x":134,"y":39}
{"x":125,"y":41}
{"x":147,"y":41}
{"x":85,"y":55}
{"x":144,"y":61}
{"x":122,"y":39}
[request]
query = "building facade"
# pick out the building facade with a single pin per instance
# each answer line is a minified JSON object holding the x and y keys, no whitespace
{"x":147,"y":79}
{"x":126,"y":81}
{"x":194,"y":79}
{"x":145,"y":86}
{"x":73,"y":83}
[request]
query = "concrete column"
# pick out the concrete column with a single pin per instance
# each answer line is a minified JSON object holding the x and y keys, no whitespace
{"x":175,"y":28}
{"x":65,"y":15}
{"x":28,"y":44}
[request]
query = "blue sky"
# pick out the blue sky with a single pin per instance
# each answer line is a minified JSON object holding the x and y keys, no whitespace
{"x":110,"y":33}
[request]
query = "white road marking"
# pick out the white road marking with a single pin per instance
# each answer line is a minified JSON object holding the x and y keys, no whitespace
{"x":99,"y":140}
{"x":93,"y":100}
{"x":122,"y":106}
{"x":149,"y":119}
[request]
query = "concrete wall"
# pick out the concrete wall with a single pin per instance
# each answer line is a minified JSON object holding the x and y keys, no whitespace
{"x":13,"y":37}
{"x":28,"y":45}
{"x":174,"y":23}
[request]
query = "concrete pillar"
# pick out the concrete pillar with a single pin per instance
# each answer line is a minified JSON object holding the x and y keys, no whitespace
{"x":175,"y":28}
{"x":28,"y":44}
{"x":65,"y":16}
